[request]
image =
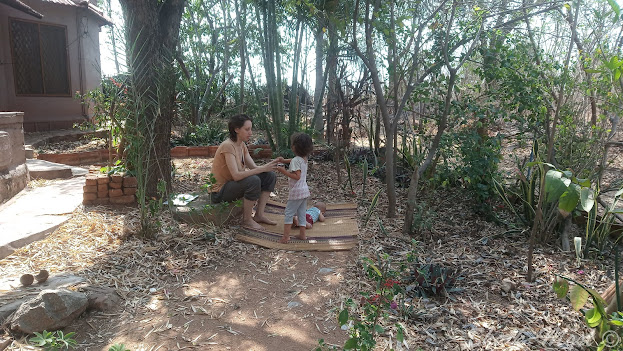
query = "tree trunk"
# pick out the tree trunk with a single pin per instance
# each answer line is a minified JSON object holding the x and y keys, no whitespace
{"x":275,"y":37}
{"x":213,"y":73}
{"x":538,"y":225}
{"x":241,"y":17}
{"x":564,"y":236}
{"x":294,"y":86}
{"x":417,"y":173}
{"x":582,"y":54}
{"x":272,"y":67}
{"x":226,"y":54}
{"x":318,"y":124}
{"x":332,"y":109}
{"x":152,"y":30}
{"x":377,"y":131}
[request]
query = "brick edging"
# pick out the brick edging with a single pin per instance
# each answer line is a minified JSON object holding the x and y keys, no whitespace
{"x":104,"y":189}
{"x":82,"y":158}
{"x":210,"y":151}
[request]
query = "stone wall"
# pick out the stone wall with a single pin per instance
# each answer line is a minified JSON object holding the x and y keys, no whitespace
{"x":13,"y":171}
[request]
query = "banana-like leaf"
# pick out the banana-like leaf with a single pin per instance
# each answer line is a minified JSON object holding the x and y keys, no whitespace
{"x":561,"y":287}
{"x":587,"y":199}
{"x":593,"y":317}
{"x":585,"y":183}
{"x":578,"y":296}
{"x":615,"y":7}
{"x":555,"y":184}
{"x":569,"y":199}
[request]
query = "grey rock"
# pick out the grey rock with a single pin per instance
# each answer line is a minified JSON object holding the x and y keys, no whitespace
{"x":326,"y":270}
{"x":17,"y":294}
{"x":50,"y":310}
{"x":293,"y":304}
{"x":101,"y":298}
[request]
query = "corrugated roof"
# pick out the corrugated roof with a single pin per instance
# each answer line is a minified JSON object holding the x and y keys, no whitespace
{"x":62,"y":2}
{"x":16,"y":4}
{"x":84,"y":4}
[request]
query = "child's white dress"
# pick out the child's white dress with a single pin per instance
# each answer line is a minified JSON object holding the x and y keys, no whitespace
{"x":299,"y":192}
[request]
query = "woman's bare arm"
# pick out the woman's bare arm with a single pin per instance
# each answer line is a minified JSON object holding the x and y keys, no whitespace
{"x":230,"y":160}
{"x":250,"y":163}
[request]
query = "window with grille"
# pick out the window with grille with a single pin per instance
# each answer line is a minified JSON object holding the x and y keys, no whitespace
{"x":40,"y":63}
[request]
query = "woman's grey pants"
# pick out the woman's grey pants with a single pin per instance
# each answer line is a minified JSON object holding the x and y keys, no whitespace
{"x":250,"y":188}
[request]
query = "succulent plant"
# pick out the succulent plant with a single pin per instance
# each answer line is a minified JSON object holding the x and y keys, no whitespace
{"x":430,"y":279}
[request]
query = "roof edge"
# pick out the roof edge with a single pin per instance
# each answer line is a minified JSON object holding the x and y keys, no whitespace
{"x":17,"y":4}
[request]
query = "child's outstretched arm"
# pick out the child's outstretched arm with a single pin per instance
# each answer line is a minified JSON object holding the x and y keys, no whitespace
{"x":321,"y":217}
{"x":296,"y":175}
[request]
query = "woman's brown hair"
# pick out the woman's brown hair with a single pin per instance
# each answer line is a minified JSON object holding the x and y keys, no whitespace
{"x":235,"y":122}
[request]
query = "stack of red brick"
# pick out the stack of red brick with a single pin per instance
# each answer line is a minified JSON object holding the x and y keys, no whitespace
{"x":103,"y":189}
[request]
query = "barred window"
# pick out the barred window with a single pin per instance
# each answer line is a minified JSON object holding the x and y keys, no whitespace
{"x":40,"y":62}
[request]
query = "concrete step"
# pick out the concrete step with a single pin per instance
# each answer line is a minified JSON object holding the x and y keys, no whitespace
{"x":34,"y":213}
{"x":29,"y":151}
{"x":40,"y":169}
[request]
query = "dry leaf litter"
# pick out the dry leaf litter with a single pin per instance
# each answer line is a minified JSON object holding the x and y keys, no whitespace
{"x":99,"y":245}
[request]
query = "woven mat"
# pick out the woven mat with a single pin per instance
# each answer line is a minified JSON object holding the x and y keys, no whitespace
{"x":338,"y":231}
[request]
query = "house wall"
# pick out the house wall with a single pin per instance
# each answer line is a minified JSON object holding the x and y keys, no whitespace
{"x":45,"y":112}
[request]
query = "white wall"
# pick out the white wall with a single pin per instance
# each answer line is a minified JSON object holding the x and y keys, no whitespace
{"x":44,"y":113}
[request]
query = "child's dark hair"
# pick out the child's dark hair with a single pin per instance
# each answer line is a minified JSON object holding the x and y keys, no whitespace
{"x":236,"y":121}
{"x":302,"y":144}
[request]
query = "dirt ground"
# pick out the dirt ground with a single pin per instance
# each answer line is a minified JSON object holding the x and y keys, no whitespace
{"x":219,"y":294}
{"x":194,"y":288}
{"x":257,"y":300}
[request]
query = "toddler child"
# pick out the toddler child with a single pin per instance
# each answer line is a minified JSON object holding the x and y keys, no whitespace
{"x":302,"y":146}
{"x":313,"y":215}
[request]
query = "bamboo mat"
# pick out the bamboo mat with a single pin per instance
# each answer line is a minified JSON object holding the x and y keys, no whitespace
{"x":338,"y":232}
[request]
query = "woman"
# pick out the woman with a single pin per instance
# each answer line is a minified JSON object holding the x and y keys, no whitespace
{"x":238,"y":176}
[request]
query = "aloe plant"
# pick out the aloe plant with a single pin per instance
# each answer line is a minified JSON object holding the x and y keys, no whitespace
{"x":430,"y":279}
{"x":348,"y":171}
{"x":375,"y":200}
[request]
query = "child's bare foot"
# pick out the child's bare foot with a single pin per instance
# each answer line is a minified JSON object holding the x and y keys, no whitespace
{"x":308,"y":226}
{"x":263,"y":220}
{"x":252,"y":224}
{"x":284,"y":239}
{"x":301,"y":237}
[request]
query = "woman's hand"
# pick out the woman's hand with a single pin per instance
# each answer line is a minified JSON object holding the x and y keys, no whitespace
{"x":271,"y":166}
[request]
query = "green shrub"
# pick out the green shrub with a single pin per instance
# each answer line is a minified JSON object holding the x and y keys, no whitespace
{"x":210,"y":133}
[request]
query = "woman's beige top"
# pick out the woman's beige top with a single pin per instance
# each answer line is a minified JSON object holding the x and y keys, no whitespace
{"x":219,"y":166}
